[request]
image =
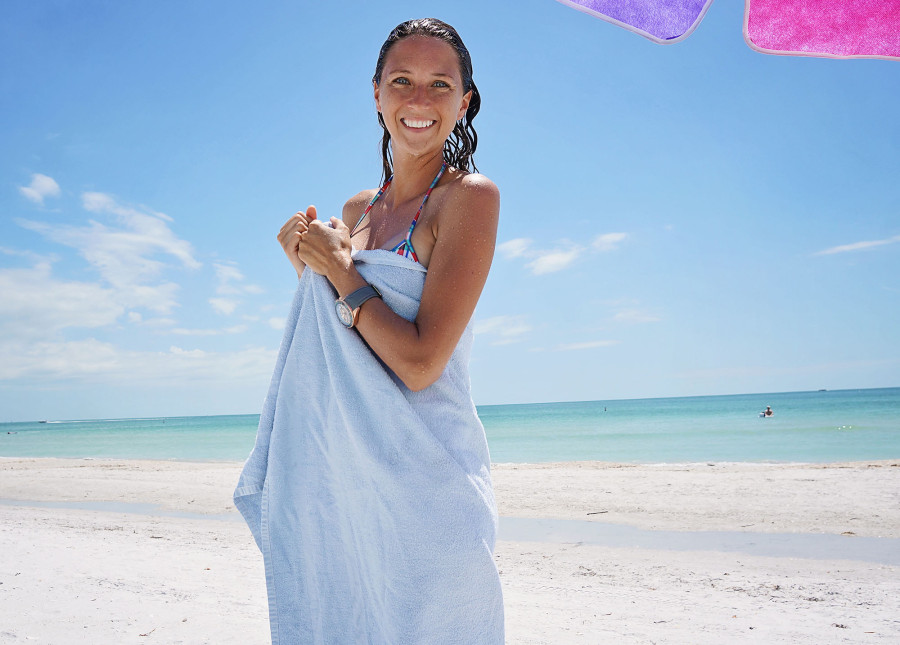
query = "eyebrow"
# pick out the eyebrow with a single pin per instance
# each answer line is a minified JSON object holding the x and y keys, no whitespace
{"x":407,"y":71}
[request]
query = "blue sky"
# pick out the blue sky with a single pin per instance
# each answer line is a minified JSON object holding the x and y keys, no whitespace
{"x":676,"y":220}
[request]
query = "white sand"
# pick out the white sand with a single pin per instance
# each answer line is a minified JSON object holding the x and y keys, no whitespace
{"x":93,"y":576}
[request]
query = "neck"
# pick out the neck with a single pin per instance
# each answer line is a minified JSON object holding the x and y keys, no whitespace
{"x":413,"y":175}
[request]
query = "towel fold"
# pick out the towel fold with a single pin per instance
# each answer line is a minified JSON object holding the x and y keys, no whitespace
{"x":372,"y":504}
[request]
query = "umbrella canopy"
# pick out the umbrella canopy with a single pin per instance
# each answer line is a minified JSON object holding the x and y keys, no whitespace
{"x":827,"y":28}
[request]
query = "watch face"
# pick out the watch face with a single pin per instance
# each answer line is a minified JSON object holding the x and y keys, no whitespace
{"x":345,"y":314}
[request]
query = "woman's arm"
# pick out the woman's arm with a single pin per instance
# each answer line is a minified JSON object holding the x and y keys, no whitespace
{"x":466,"y":232}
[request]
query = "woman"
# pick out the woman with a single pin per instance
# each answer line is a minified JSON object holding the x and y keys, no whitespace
{"x":368,"y":490}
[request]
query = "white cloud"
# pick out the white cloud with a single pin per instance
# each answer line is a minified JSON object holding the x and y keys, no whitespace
{"x":146,"y":231}
{"x":514,"y":248}
{"x":552,"y":261}
{"x":41,"y":186}
{"x":35,"y":258}
{"x":591,"y":344}
{"x":859,"y":246}
{"x":277,"y":323}
{"x":126,"y":256}
{"x":505,"y":329}
{"x":236,"y":329}
{"x":608,"y":241}
{"x":230,"y":283}
{"x":159,"y":322}
{"x":224,"y":306}
{"x":93,"y":360}
{"x":33,"y":304}
{"x":549,"y":261}
{"x":231,"y":279}
{"x":634,"y":316}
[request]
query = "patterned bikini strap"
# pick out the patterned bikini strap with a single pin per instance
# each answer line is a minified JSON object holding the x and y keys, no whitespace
{"x":418,"y":212}
{"x":371,"y":204}
{"x":405,"y":248}
{"x":425,"y":199}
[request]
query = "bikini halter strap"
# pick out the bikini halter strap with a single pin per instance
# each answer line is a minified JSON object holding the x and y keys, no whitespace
{"x":384,"y":188}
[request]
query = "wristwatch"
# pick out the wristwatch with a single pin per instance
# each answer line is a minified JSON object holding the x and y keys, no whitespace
{"x":347,"y":308}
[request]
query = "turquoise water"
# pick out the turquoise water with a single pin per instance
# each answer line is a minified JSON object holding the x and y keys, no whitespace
{"x":820,"y":427}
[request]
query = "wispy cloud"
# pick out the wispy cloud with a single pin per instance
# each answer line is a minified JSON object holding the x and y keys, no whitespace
{"x":562,"y":256}
{"x":236,"y":329}
{"x":591,"y":344}
{"x":231,"y":280}
{"x":36,"y":305}
{"x":540,"y":261}
{"x":224,"y":306}
{"x":41,"y":187}
{"x":634,"y":316}
{"x":504,"y":330}
{"x":515,"y":248}
{"x":859,"y":246}
{"x":608,"y":241}
{"x":230,"y":283}
{"x":149,"y":226}
{"x":126,"y":254}
{"x":94,"y":360}
{"x":553,"y":261}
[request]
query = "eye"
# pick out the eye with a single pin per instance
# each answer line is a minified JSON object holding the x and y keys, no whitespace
{"x":401,"y":80}
{"x":442,"y":84}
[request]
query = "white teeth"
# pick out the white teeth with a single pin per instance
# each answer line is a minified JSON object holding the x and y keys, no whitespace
{"x":413,"y":123}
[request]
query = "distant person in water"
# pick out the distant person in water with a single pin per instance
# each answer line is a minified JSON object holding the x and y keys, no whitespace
{"x":768,"y":412}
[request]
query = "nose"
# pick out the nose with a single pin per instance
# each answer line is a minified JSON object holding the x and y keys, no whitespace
{"x":419,"y":96}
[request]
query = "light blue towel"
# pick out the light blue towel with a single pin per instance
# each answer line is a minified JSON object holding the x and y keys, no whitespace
{"x":372,"y":504}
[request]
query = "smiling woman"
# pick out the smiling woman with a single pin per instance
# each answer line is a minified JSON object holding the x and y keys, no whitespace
{"x":369,"y":490}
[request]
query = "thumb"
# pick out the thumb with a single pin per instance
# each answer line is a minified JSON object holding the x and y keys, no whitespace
{"x":311,"y":212}
{"x":337,"y":223}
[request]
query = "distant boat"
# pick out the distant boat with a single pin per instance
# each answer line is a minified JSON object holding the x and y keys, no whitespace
{"x":42,"y":422}
{"x":823,"y":390}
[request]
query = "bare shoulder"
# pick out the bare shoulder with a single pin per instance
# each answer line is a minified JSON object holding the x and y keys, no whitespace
{"x":354,"y":207}
{"x":476,"y":188}
{"x":473,"y":199}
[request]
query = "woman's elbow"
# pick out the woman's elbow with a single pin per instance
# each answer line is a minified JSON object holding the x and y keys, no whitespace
{"x":420,"y":376}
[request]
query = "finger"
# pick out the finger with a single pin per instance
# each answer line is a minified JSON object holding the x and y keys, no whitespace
{"x":311,"y":212}
{"x":293,"y":221}
{"x":337,"y":223}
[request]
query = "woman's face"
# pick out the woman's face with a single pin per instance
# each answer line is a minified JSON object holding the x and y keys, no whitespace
{"x":420,"y":95}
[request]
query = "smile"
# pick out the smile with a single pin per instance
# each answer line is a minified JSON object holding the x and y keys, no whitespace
{"x":417,"y":123}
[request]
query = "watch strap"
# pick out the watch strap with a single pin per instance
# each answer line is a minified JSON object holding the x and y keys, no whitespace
{"x":356,"y":298}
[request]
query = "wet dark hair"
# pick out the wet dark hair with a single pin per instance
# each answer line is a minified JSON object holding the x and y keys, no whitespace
{"x":461,"y":144}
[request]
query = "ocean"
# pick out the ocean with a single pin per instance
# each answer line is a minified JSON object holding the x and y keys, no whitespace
{"x":814,"y":427}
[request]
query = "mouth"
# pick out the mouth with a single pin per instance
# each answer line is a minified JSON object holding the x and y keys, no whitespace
{"x":417,"y":124}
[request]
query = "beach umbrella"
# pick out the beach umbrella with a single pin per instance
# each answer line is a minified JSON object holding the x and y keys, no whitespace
{"x":662,"y":21}
{"x":827,"y":28}
{"x":831,"y":28}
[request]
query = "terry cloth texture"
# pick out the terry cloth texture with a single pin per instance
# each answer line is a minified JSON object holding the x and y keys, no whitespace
{"x":372,"y":504}
{"x":662,"y":21}
{"x":828,"y":28}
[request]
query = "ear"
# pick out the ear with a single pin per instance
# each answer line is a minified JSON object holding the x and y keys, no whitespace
{"x":467,"y":97}
{"x":375,"y":91}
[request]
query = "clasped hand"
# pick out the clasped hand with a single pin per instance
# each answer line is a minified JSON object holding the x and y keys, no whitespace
{"x":323,"y":247}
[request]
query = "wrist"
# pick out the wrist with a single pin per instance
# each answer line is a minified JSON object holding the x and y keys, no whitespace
{"x":346,"y":280}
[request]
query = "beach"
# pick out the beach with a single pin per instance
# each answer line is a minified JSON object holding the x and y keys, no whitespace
{"x":131,"y":551}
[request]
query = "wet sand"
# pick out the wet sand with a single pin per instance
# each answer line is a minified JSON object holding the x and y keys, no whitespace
{"x":108,"y":551}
